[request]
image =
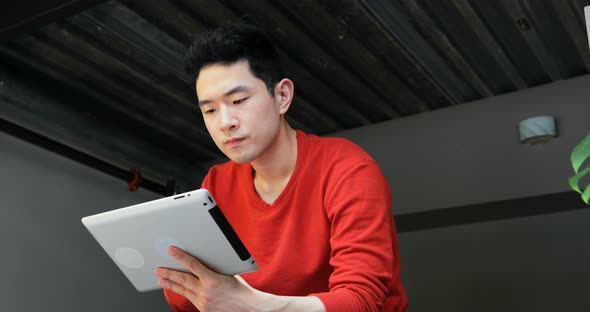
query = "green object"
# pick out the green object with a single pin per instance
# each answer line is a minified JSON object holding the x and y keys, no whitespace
{"x":579,"y":155}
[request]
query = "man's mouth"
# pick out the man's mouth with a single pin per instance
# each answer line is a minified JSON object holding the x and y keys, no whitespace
{"x":234,"y":142}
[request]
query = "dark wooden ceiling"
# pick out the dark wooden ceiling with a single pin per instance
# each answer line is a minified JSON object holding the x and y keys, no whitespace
{"x":105,"y":79}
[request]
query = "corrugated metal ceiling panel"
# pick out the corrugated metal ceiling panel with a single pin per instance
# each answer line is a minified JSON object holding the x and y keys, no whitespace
{"x":115,"y":87}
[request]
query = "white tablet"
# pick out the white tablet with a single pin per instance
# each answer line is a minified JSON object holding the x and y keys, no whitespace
{"x":136,"y":237}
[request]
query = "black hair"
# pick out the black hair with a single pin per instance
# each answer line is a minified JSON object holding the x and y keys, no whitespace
{"x":233,"y":43}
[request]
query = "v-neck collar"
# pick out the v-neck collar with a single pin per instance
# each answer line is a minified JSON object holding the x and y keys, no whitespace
{"x":288,"y":190}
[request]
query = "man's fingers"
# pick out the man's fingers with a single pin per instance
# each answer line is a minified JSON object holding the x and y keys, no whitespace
{"x":187,"y":280}
{"x":177,"y":288}
{"x":189,"y":262}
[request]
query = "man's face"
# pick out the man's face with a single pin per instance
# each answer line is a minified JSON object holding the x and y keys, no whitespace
{"x":240,"y":114}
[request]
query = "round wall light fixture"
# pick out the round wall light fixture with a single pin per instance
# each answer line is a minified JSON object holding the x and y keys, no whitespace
{"x":537,"y":130}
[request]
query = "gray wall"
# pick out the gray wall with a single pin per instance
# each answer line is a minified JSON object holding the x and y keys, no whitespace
{"x":49,"y":261}
{"x":471,"y":154}
{"x":539,"y":264}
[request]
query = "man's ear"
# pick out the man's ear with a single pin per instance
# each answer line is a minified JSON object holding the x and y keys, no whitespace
{"x":284,"y":91}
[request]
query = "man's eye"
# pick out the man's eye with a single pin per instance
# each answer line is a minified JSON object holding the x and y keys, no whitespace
{"x":240,"y":101}
{"x":209,"y":111}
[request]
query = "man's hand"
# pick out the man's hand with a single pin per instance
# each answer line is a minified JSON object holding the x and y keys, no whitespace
{"x":211,"y":292}
{"x":208,"y":290}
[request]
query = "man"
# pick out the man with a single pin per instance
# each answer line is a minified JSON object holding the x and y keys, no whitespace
{"x":314,"y":212}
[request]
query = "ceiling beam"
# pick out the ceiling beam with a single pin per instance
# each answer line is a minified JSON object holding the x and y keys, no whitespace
{"x":79,"y":74}
{"x":305,"y":50}
{"x":213,"y":13}
{"x":329,"y":28}
{"x":56,"y":114}
{"x":567,"y":14}
{"x":405,"y":35}
{"x":518,"y":13}
{"x":22,"y":16}
{"x":480,"y":28}
{"x":136,"y":32}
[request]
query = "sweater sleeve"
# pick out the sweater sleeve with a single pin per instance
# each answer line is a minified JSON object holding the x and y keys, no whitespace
{"x":363,"y":241}
{"x":178,"y":303}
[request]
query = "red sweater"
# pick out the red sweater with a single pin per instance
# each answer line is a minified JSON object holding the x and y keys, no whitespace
{"x":329,"y":234}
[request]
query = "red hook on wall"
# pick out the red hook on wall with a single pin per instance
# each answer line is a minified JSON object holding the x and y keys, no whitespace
{"x":133,"y":185}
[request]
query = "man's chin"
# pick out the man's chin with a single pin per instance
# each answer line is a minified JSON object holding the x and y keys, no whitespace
{"x":240,"y":159}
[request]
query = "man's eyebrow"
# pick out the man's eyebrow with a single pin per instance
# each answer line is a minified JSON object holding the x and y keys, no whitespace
{"x":203,"y":102}
{"x":234,"y":90}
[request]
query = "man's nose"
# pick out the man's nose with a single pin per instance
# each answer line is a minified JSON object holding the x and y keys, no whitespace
{"x":229,"y":119}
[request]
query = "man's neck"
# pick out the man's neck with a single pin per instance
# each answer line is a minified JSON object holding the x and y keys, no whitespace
{"x":273,"y":170}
